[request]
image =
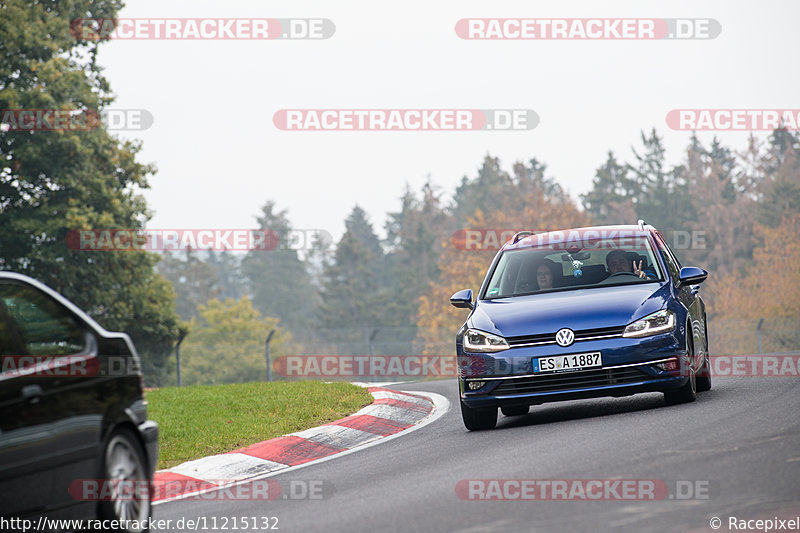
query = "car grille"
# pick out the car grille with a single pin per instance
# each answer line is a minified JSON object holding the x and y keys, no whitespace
{"x":569,"y":380}
{"x":550,"y":338}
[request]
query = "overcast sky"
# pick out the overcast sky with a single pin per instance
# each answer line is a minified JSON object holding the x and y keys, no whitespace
{"x":220,"y":157}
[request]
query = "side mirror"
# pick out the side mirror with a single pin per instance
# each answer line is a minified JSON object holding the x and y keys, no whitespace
{"x":462,"y":299}
{"x":691,"y":276}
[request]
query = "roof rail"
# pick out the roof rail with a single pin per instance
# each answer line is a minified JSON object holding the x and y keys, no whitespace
{"x":641,"y":224}
{"x":521,"y":235}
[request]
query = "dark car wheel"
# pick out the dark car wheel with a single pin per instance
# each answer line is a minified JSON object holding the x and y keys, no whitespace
{"x":515,"y":410}
{"x":125,"y":468}
{"x":704,"y":377}
{"x":478,"y":419}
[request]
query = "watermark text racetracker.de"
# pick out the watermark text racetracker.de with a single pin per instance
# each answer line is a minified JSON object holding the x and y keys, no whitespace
{"x":531,"y":490}
{"x":96,"y":490}
{"x":99,"y":29}
{"x":470,"y":365}
{"x":361,"y":366}
{"x":587,"y":28}
{"x":405,"y":119}
{"x":158,"y":240}
{"x":67,"y":366}
{"x":483,"y":366}
{"x":74,"y":119}
{"x":492,"y":239}
{"x":733,"y":119}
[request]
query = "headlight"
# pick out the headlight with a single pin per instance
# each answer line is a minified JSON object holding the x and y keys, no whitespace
{"x":479,"y":341}
{"x":659,"y":322}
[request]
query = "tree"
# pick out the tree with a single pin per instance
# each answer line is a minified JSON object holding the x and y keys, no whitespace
{"x":277,"y":278}
{"x":611,"y":200}
{"x":353,"y":287}
{"x":194,"y":280}
{"x":52,"y":182}
{"x":780,"y":191}
{"x":722,"y":210}
{"x":464,"y":269}
{"x":412,"y":236}
{"x":769,"y":288}
{"x":486,"y":192}
{"x":229,"y":274}
{"x":662,"y":197}
{"x":226,"y":343}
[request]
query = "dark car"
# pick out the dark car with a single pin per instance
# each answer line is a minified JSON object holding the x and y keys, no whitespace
{"x":75,"y":440}
{"x":582,"y":313}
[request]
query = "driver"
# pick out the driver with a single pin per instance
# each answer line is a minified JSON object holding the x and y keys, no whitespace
{"x":620,"y":261}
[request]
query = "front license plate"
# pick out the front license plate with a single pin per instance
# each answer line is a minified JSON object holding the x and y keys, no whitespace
{"x":576,"y":361}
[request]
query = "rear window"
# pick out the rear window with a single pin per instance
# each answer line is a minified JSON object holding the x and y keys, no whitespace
{"x":32,"y":323}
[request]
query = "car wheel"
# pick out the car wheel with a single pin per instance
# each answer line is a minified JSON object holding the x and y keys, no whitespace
{"x":125,"y":469}
{"x":478,"y":419}
{"x":704,"y":378}
{"x":687,"y":393}
{"x":515,"y":410}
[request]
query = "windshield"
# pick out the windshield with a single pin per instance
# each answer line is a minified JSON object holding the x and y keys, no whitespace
{"x":584,"y":259}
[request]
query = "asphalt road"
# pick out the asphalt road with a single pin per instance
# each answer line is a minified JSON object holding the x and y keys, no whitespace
{"x":738,"y":446}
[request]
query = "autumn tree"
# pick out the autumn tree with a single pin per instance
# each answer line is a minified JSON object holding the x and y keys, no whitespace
{"x":463,"y":268}
{"x":227,"y":343}
{"x":769,"y":289}
{"x":779,"y":192}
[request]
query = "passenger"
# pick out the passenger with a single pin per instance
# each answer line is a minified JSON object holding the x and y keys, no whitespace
{"x":546,"y":272}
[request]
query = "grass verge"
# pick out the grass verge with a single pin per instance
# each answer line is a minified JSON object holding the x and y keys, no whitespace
{"x":207,"y":419}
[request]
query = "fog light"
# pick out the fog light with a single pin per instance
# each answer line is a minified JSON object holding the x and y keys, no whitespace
{"x":474,"y":385}
{"x":668,"y":365}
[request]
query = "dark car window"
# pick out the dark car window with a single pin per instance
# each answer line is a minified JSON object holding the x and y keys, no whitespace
{"x":32,"y":323}
{"x":673,"y":265}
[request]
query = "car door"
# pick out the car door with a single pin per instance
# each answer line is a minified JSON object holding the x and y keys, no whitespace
{"x":690,"y":297}
{"x":51,"y":425}
{"x":24,"y":426}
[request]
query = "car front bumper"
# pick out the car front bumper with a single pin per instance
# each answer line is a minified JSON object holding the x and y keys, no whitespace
{"x":629,"y":367}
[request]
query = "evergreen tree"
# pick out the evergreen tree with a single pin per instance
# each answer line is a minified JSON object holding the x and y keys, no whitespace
{"x":353,"y":287}
{"x":277,"y":278}
{"x":194,"y":280}
{"x":662,"y":198}
{"x":611,"y":200}
{"x":487,"y":192}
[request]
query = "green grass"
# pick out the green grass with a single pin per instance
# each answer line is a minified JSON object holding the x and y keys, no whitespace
{"x":207,"y":419}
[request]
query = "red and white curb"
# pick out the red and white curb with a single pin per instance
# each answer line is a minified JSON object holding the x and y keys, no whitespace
{"x":391,"y":413}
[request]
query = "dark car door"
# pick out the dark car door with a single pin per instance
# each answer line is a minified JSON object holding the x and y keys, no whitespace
{"x":49,"y":416}
{"x":690,"y":297}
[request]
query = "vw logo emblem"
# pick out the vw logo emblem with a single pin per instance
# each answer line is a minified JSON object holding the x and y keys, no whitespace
{"x":565,"y":337}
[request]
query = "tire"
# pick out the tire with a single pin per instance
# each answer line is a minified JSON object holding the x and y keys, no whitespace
{"x":124,"y":461}
{"x":704,"y":378}
{"x":687,"y":393}
{"x":515,"y":410}
{"x":478,"y":419}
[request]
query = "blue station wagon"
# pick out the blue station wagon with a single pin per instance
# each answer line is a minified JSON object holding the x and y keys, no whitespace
{"x":581,"y":313}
